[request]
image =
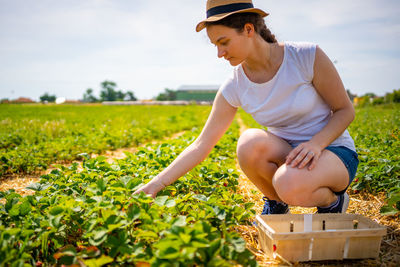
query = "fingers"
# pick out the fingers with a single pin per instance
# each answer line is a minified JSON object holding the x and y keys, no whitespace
{"x":313,"y":163}
{"x":148,"y":191}
{"x":292,"y":155}
{"x":308,"y":157}
{"x":302,"y":156}
{"x":137,"y":191}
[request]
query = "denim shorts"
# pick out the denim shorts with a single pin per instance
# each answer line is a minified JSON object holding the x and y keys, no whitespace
{"x":347,"y":156}
{"x":349,"y":159}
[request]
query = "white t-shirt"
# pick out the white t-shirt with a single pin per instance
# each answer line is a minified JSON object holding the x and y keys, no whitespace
{"x":288,"y":104}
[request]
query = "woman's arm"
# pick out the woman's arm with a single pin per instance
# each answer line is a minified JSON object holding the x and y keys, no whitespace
{"x":328,"y":84}
{"x":219,"y":120}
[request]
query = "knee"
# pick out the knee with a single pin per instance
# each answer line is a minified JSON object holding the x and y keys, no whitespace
{"x":250,"y":145}
{"x":289,"y":186}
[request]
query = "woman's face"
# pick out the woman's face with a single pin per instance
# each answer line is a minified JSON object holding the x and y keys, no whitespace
{"x":231,"y":45}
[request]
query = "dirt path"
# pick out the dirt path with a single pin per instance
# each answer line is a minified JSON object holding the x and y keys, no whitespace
{"x":365,"y":204}
{"x":20,"y":182}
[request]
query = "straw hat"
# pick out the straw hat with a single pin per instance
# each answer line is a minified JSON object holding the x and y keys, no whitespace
{"x":219,"y":9}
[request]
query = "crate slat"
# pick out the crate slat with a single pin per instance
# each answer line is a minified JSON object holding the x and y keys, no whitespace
{"x":308,"y":237}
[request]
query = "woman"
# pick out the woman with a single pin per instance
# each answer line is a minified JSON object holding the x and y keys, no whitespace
{"x":306,"y":158}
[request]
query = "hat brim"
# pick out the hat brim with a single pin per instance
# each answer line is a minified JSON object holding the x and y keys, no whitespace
{"x":202,"y":24}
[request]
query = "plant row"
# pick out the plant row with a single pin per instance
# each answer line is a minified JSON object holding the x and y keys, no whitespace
{"x":91,"y":217}
{"x":376,"y":133}
{"x":34,"y":136}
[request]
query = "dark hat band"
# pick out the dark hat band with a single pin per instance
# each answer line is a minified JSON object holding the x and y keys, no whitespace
{"x":228,"y":8}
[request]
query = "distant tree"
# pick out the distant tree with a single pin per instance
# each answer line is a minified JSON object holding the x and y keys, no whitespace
{"x":120,"y":95}
{"x":4,"y":101}
{"x":108,"y":92}
{"x":378,"y":101}
{"x":388,"y":98}
{"x":167,"y":95}
{"x":393,"y":97}
{"x":370,"y":95}
{"x":396,"y":96}
{"x":130,"y":96}
{"x":47,"y":97}
{"x":89,"y":97}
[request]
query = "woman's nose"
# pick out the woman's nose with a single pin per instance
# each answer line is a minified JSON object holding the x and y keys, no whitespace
{"x":221,"y":52}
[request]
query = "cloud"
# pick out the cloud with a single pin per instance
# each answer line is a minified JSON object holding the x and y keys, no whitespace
{"x":145,"y":46}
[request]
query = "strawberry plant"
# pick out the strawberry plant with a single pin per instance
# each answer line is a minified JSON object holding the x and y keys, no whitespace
{"x":377,"y":137}
{"x":91,"y":217}
{"x":34,"y":136}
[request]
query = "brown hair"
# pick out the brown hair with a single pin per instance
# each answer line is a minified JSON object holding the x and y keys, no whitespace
{"x":238,"y":20}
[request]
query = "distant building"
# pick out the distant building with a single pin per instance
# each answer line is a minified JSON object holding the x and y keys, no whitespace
{"x":22,"y":100}
{"x":72,"y":101}
{"x":197,"y":92}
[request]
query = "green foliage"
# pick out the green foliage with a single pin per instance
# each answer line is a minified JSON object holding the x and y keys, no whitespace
{"x":393,"y":97}
{"x":130,"y":96}
{"x":372,"y":99}
{"x":47,"y":97}
{"x":378,"y":101}
{"x":89,"y":97}
{"x":108,"y":92}
{"x":90,"y":216}
{"x":377,"y":137}
{"x":34,"y":136}
{"x":167,"y":95}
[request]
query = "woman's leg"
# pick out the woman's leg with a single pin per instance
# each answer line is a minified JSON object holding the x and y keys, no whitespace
{"x":260,"y":154}
{"x":302,"y":187}
{"x":261,"y":157}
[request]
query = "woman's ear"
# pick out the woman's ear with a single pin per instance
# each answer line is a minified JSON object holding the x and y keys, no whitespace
{"x":249,"y":29}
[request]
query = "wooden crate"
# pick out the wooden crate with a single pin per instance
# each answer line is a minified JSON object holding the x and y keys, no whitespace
{"x":311,"y":237}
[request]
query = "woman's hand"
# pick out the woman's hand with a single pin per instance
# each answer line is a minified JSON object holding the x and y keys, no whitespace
{"x":151,"y":188}
{"x":303,"y":154}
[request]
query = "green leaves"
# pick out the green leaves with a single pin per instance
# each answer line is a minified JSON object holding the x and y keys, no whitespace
{"x":103,"y":260}
{"x":38,"y":186}
{"x":164,"y":201}
{"x":87,"y":214}
{"x":133,"y":212}
{"x":25,"y":207}
{"x":32,"y":137}
{"x":101,"y":185}
{"x":377,"y":147}
{"x":56,"y":210}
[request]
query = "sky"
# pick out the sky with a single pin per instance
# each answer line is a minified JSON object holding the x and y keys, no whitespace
{"x":65,"y":47}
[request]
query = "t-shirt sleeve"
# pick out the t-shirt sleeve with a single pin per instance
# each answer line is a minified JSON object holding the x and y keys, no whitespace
{"x":308,"y":56}
{"x":229,"y":90}
{"x":305,"y":57}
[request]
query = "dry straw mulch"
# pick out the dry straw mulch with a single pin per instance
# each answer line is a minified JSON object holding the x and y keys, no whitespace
{"x":365,"y":204}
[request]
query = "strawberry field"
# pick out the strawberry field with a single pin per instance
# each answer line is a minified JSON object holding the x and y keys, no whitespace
{"x":85,"y":214}
{"x":34,"y":136}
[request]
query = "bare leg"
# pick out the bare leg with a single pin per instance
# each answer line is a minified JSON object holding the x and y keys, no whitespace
{"x":260,"y":154}
{"x":305,"y":188}
{"x":261,"y":157}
